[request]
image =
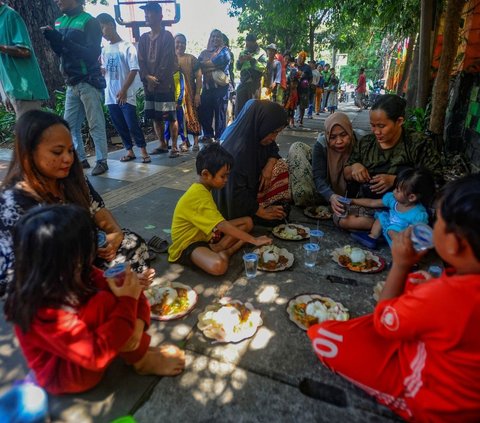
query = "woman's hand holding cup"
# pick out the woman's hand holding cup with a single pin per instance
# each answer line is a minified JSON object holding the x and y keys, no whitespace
{"x":337,"y":206}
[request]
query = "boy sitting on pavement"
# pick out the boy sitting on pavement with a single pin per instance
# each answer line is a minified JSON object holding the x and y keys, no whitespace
{"x":198,"y":227}
{"x":419,"y":352}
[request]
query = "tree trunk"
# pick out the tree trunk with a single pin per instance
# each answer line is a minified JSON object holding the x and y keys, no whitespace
{"x":311,"y":39}
{"x":37,"y":13}
{"x":413,"y":81}
{"x":449,"y":50}
{"x":425,"y":56}
{"x":407,"y":65}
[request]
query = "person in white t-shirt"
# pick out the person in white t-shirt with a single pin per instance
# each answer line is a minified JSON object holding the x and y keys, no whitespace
{"x":120,"y":64}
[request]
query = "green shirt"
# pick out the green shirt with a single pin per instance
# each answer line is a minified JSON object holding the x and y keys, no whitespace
{"x":414,"y":149}
{"x":21,"y":77}
{"x":257,"y":63}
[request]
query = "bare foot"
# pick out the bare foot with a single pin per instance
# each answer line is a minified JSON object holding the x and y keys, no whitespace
{"x":165,"y":360}
{"x":146,"y":277}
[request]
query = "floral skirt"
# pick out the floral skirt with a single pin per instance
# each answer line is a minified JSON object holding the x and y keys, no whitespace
{"x":278,"y":189}
{"x":133,"y":250}
{"x":302,"y":186}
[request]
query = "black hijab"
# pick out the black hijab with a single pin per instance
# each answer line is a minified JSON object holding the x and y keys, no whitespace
{"x":257,"y":119}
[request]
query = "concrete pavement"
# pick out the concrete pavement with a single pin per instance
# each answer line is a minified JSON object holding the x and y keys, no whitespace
{"x":273,"y":376}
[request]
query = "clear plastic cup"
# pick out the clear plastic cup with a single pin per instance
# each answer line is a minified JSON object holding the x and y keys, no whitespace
{"x":315,"y":236}
{"x":311,"y":251}
{"x":422,"y":237}
{"x":117,"y":273}
{"x":101,"y":239}
{"x":251,"y":262}
{"x":346,"y":203}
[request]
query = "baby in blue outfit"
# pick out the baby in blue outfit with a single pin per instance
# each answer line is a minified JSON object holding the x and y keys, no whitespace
{"x":413,"y":190}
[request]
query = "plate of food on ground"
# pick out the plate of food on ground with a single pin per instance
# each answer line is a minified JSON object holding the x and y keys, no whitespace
{"x":273,"y":259}
{"x":318,"y":212}
{"x":229,"y":321}
{"x":358,"y":260}
{"x":291,"y":232}
{"x":306,"y":310}
{"x":171,"y":302}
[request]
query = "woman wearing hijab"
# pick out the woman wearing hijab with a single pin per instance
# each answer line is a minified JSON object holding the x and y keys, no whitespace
{"x":259,"y":176}
{"x":317,"y":176}
{"x":214,"y":98}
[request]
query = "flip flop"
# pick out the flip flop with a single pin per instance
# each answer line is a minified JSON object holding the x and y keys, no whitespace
{"x":127,"y":158}
{"x":159,"y":150}
{"x":146,"y":159}
{"x":157,"y":244}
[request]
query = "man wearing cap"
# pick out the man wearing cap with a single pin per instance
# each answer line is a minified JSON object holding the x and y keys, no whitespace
{"x":273,"y":74}
{"x":158,"y":63}
{"x":251,"y":63}
{"x":21,"y":81}
{"x":77,"y":40}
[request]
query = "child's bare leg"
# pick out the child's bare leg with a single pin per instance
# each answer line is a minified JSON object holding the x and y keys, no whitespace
{"x":360,"y":223}
{"x":376,"y":230}
{"x":214,"y":263}
{"x":165,"y":360}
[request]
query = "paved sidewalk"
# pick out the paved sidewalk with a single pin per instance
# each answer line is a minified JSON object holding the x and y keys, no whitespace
{"x":273,"y":376}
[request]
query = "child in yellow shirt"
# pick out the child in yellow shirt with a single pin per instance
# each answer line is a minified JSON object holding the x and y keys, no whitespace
{"x":201,"y":237}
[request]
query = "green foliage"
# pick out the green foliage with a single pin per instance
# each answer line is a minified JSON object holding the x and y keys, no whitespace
{"x":418,"y":118}
{"x":7,"y":122}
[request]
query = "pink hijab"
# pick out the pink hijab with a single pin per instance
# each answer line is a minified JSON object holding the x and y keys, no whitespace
{"x":335,"y":160}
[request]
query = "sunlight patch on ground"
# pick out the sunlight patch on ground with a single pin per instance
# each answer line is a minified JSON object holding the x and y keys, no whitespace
{"x":211,"y":380}
{"x":261,"y":339}
{"x":267,"y":294}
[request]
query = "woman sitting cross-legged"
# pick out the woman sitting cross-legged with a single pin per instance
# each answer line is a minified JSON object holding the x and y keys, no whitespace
{"x":316,"y":175}
{"x":46,"y":170}
{"x":259,"y":178}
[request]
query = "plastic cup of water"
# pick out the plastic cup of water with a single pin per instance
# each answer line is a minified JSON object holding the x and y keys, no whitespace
{"x":315,"y":236}
{"x":311,"y":252}
{"x":101,"y":239}
{"x":346,"y":203}
{"x":422,"y":237}
{"x":251,"y":262}
{"x":116,"y":273}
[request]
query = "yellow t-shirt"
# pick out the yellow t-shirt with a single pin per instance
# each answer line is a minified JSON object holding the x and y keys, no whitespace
{"x":194,"y":218}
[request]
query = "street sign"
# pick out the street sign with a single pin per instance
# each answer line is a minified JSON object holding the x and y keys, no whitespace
{"x":129,"y":14}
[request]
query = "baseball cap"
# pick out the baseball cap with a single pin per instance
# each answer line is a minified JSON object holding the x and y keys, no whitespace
{"x":271,"y":47}
{"x":152,"y":7}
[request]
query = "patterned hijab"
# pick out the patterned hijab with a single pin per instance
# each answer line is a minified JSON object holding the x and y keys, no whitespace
{"x":336,"y":160}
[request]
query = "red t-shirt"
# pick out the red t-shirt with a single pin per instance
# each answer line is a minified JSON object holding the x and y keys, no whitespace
{"x":362,"y":84}
{"x":65,"y":354}
{"x":437,"y":324}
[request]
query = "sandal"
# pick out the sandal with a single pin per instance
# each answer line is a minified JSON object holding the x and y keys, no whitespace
{"x":196,"y":147}
{"x":184,"y":148}
{"x":146,"y":159}
{"x":159,"y":150}
{"x":157,"y":244}
{"x":128,"y":158}
{"x":173,"y":154}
